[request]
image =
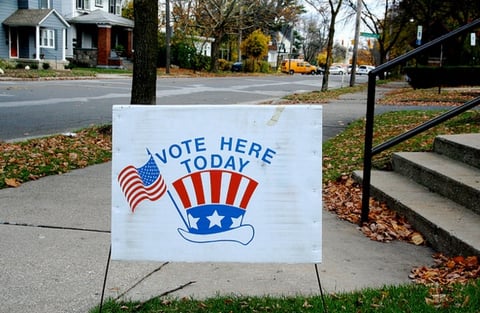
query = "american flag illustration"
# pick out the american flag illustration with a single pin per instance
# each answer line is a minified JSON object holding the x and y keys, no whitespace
{"x":142,"y":183}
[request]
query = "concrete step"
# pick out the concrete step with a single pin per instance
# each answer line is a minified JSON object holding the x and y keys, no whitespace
{"x":452,"y":179}
{"x":463,"y":147}
{"x":127,"y":64}
{"x":449,"y":227}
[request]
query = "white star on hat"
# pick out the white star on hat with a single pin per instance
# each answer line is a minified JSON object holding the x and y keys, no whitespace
{"x":236,"y":222}
{"x":193,"y":221}
{"x":215,"y":219}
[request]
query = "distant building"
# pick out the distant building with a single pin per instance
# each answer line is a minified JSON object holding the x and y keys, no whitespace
{"x":203,"y":45}
{"x":280,"y":48}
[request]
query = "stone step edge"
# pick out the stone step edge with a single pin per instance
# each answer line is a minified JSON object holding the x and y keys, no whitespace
{"x":448,"y":227}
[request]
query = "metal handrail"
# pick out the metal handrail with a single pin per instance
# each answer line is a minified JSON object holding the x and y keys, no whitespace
{"x":369,"y":151}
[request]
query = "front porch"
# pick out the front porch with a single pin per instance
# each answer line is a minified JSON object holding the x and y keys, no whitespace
{"x":102,"y":39}
{"x":88,"y":57}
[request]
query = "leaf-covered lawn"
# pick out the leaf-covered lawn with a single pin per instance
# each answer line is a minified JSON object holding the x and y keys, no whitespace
{"x":319,"y":96}
{"x":35,"y":158}
{"x":430,"y":97}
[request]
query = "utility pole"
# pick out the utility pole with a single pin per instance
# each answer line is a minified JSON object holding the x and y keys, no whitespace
{"x":239,"y":58}
{"x":168,"y":34}
{"x":355,"y":43}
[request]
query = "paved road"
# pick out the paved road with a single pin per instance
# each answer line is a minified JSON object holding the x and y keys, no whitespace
{"x":35,"y":108}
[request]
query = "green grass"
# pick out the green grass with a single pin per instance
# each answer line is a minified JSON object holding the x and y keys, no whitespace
{"x":50,"y":73}
{"x":344,"y":153}
{"x":93,"y":71}
{"x":393,"y":299}
{"x":321,"y":96}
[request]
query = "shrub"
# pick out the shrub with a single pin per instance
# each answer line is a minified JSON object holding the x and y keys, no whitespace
{"x":255,"y":66}
{"x":7,"y":64}
{"x":224,"y":65}
{"x":183,"y":54}
{"x":69,"y":66}
{"x":46,"y":66}
{"x":264,"y":67}
{"x":201,"y":62}
{"x":447,"y":76}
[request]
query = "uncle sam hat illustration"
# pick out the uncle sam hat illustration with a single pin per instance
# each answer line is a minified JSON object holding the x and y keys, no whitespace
{"x":215,"y":202}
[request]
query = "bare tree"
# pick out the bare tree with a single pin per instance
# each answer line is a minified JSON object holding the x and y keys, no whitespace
{"x":388,"y":27}
{"x":216,"y":18}
{"x":334,"y":7}
{"x":144,"y":82}
{"x":315,"y":37}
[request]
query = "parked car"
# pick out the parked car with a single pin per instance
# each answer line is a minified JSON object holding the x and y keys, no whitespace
{"x":320,"y":71}
{"x":364,"y":69}
{"x":350,"y":69}
{"x":237,"y":67}
{"x":336,"y":70}
{"x":292,"y":66}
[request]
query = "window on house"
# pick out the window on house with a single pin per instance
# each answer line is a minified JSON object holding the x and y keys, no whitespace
{"x":114,"y":6}
{"x":83,"y":4}
{"x":44,"y":4}
{"x":99,"y":3}
{"x":47,"y":38}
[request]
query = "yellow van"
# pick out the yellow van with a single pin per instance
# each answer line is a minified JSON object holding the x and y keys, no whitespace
{"x":292,"y":66}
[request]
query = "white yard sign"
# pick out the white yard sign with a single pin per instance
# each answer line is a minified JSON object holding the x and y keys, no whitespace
{"x":237,"y":183}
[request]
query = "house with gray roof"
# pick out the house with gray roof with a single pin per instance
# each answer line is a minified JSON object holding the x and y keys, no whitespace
{"x":56,"y":32}
{"x":32,"y":30}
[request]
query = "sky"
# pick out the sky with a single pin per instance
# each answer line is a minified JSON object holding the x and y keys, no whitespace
{"x":345,"y":27}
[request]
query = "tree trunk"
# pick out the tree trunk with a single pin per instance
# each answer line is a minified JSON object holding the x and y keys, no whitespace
{"x":328,"y":61}
{"x":215,"y":52}
{"x":334,"y":9}
{"x":144,"y":82}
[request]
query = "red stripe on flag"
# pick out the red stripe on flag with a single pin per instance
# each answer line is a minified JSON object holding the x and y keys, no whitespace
{"x":134,"y":189}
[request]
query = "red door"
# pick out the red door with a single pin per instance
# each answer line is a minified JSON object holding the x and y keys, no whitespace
{"x":13,"y":43}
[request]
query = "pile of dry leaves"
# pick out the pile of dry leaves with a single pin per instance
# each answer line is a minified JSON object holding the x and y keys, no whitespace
{"x":343,"y":197}
{"x":447,"y":270}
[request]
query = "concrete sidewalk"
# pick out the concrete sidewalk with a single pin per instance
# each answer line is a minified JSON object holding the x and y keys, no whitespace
{"x":55,"y":241}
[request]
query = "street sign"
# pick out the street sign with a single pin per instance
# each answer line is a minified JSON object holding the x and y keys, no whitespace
{"x":419,"y":35}
{"x":369,"y":35}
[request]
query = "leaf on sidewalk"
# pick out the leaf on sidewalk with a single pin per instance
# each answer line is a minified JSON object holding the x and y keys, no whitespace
{"x":12,"y":182}
{"x":417,"y":238}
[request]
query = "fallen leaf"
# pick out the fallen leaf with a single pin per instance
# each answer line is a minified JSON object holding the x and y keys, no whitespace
{"x":417,"y":238}
{"x":12,"y":182}
{"x":306,"y":304}
{"x":471,"y":261}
